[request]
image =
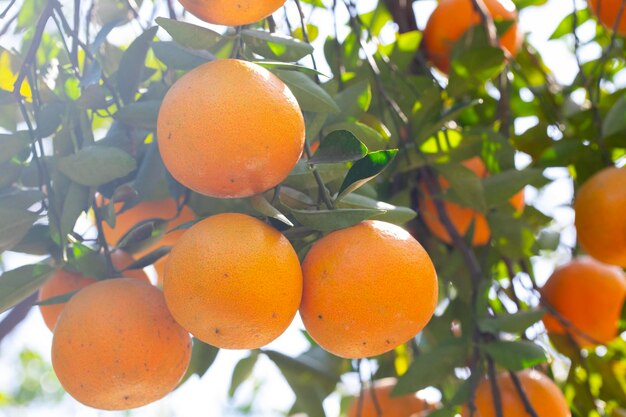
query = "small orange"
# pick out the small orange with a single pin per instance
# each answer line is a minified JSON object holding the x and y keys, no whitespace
{"x":117,"y":347}
{"x":452,"y":18}
{"x":607,"y":11}
{"x":462,"y":217}
{"x":588,"y":294}
{"x":401,"y":406}
{"x":233,"y":281}
{"x":231,"y":12}
{"x":63,"y":282}
{"x":230,"y":128}
{"x":600,"y":221}
{"x":545,"y":397}
{"x":367,"y":289}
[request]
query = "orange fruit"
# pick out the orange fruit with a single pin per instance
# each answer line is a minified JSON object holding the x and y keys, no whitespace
{"x":367,"y":289}
{"x":233,"y":281}
{"x":231,"y":13}
{"x":462,"y":217}
{"x":63,"y":282}
{"x":117,"y":347}
{"x":230,"y":128}
{"x":165,"y":209}
{"x":607,"y":11}
{"x":589,"y":295}
{"x":400,"y":406}
{"x":545,"y":397}
{"x":600,"y":222}
{"x":452,"y":18}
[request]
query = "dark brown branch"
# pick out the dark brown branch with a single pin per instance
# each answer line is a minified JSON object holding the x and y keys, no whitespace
{"x":495,"y":390}
{"x":16,"y":315}
{"x":522,"y":394}
{"x":402,"y":13}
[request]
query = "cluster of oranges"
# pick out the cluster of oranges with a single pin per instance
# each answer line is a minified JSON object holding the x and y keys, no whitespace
{"x":227,"y":129}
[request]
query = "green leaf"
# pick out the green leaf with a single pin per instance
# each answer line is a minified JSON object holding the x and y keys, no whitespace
{"x":150,"y":258}
{"x":310,"y":96}
{"x":353,"y":102}
{"x":329,"y":220}
{"x":393,"y":214}
{"x":76,"y":201}
{"x":566,"y":25}
{"x":202,"y":357}
{"x":131,"y":68}
{"x":143,"y":234}
{"x":176,"y":57}
{"x":277,"y":65}
{"x":365,"y":169}
{"x":498,"y":188}
{"x":59,"y":299}
{"x":260,"y":204}
{"x":301,"y":177}
{"x":189,"y":35}
{"x":511,"y":323}
{"x":515,"y":355}
{"x":432,"y":367}
{"x":615,"y":120}
{"x":339,"y":146}
{"x":96,"y":165}
{"x":369,"y":136}
{"x":12,"y":144}
{"x":14,"y":224}
{"x":142,"y":114}
{"x":275,"y":46}
{"x":465,"y":186}
{"x":242,"y":371}
{"x":19,"y":283}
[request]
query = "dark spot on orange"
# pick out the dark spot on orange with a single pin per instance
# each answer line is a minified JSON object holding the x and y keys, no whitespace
{"x":319,"y":316}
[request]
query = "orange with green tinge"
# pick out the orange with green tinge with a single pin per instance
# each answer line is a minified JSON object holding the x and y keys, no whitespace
{"x":452,"y":18}
{"x":231,"y":12}
{"x":462,"y":217}
{"x":381,"y":399}
{"x":230,"y":128}
{"x":233,"y":281}
{"x":600,"y":208}
{"x":543,"y":394}
{"x":367,"y":289}
{"x":590,"y":296}
{"x":64,"y":282}
{"x":116,"y":346}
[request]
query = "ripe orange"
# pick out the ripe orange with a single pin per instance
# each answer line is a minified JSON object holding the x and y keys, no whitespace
{"x":117,"y":347}
{"x":165,"y":209}
{"x":231,"y":13}
{"x":588,"y":294}
{"x":607,"y":11}
{"x":230,"y":128}
{"x":233,"y":281}
{"x":452,"y":18}
{"x":403,"y":406}
{"x":600,"y":221}
{"x":63,"y":282}
{"x":462,"y":217}
{"x":367,"y":289}
{"x":545,"y":397}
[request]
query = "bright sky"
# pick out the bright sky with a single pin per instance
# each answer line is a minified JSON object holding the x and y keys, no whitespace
{"x":209,"y":394}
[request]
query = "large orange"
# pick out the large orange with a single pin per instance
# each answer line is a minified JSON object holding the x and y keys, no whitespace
{"x":607,"y":11}
{"x":452,"y":18}
{"x":401,"y":406}
{"x":116,"y":346}
{"x":589,"y":295}
{"x":545,"y":397}
{"x":367,"y":289}
{"x":462,"y":217}
{"x":230,"y":128}
{"x":63,"y":282}
{"x":233,"y":281}
{"x":600,"y":221}
{"x":231,"y":12}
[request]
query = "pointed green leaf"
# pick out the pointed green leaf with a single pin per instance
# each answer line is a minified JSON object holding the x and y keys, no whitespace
{"x":310,"y":96}
{"x":511,"y":323}
{"x":96,"y":165}
{"x":275,"y":46}
{"x":19,"y":283}
{"x":515,"y":355}
{"x":365,"y":169}
{"x":339,"y":146}
{"x":130,"y":71}
{"x":189,"y":35}
{"x":329,"y":220}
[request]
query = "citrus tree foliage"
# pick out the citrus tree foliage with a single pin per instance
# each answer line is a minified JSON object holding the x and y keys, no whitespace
{"x":78,"y":118}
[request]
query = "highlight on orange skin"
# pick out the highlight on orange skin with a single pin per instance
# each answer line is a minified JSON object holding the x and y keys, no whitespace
{"x":462,"y":217}
{"x":63,"y":282}
{"x":452,"y":18}
{"x":588,"y":294}
{"x":231,"y":12}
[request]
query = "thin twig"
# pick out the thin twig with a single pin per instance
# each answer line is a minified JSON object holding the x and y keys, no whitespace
{"x":495,"y":390}
{"x":522,"y":394}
